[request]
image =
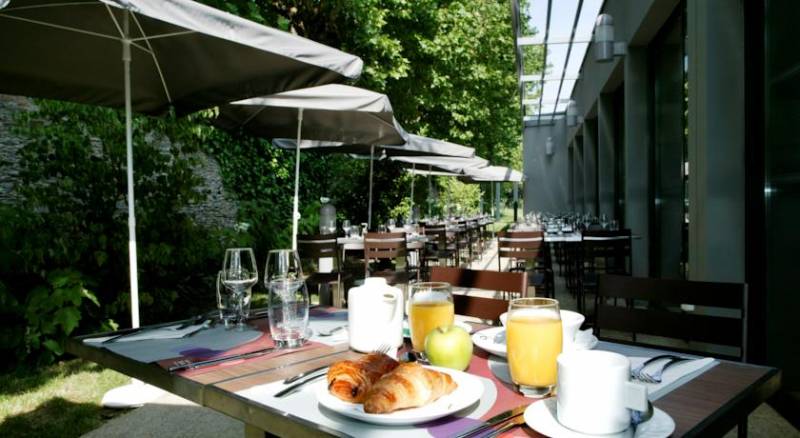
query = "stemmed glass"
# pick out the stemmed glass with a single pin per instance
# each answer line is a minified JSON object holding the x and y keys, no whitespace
{"x":288,"y":298}
{"x":346,"y":227}
{"x":239,"y":274}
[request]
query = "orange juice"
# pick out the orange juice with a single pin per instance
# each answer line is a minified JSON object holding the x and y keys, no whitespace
{"x":534,"y":343}
{"x":425,"y":316}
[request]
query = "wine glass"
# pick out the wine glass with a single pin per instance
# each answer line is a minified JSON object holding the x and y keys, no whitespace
{"x":239,"y":275}
{"x":346,"y":227}
{"x":287,"y":306}
{"x":225,"y":303}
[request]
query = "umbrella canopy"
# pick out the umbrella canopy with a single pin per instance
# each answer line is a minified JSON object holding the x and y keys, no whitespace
{"x":455,"y":165}
{"x":183,"y":54}
{"x":416,"y":145}
{"x":330,"y":112}
{"x":494,"y":174}
{"x":149,"y":55}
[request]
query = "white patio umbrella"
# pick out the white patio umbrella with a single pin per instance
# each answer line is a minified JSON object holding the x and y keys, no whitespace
{"x":148,"y":56}
{"x":416,"y":147}
{"x":338,"y":114}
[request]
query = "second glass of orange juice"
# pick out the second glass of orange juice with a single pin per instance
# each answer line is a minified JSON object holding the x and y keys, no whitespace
{"x":430,"y":306}
{"x":533,"y":338}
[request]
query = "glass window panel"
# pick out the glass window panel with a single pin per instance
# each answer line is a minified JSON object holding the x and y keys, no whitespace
{"x":589,"y":12}
{"x":562,"y":19}
{"x":535,"y":19}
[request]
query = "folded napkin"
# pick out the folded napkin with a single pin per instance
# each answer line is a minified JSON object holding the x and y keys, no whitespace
{"x":169,"y":332}
{"x":674,"y":376}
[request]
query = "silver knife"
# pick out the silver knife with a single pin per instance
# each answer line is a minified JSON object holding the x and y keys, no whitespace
{"x":290,"y":389}
{"x":514,"y":422}
{"x":497,"y":419}
{"x":304,"y":373}
{"x":183,"y":365}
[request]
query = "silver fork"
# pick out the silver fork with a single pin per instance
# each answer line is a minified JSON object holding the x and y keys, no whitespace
{"x":636,"y":373}
{"x":311,"y":375}
{"x":657,"y":376}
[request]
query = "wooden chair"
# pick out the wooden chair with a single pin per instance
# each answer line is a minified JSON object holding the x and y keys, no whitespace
{"x":383,"y":249}
{"x":480,"y":307}
{"x":528,"y":252}
{"x":602,"y":252}
{"x":663,"y":316}
{"x":438,"y":247}
{"x":310,"y":249}
{"x":506,"y":282}
{"x":653,"y":307}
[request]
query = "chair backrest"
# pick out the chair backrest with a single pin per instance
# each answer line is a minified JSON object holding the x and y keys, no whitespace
{"x":480,"y":307}
{"x":521,"y":245}
{"x":437,"y":234}
{"x":613,"y":246}
{"x":662,"y":316}
{"x":315,"y":246}
{"x":515,"y":282}
{"x":384,"y":246}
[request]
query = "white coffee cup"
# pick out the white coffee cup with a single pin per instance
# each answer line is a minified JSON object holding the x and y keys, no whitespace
{"x":570,"y":323}
{"x":595,"y":394}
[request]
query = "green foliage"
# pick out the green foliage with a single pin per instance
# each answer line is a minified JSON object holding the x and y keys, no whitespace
{"x":457,"y":197}
{"x":71,"y":218}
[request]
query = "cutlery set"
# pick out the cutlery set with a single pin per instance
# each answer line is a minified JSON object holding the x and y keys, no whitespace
{"x":639,"y":373}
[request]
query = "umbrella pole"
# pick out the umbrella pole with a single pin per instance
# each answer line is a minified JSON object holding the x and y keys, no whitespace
{"x":430,"y":191}
{"x":413,"y":175}
{"x":369,"y":209}
{"x":296,"y":210}
{"x":136,"y":393}
{"x":126,"y":61}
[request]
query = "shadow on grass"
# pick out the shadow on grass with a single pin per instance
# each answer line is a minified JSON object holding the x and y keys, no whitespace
{"x":57,"y":417}
{"x":26,"y":380}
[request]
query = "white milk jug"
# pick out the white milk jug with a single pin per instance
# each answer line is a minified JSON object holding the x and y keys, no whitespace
{"x":375,"y":315}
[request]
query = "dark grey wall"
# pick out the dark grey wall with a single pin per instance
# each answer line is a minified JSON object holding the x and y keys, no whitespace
{"x":716,"y":140}
{"x":547,"y":177}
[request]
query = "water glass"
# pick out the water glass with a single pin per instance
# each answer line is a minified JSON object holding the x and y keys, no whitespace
{"x":239,"y":274}
{"x":364,"y":228}
{"x":225,"y":303}
{"x":534,"y":341}
{"x":288,"y":303}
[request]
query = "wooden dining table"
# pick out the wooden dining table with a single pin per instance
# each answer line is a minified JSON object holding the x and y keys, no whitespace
{"x":709,"y":404}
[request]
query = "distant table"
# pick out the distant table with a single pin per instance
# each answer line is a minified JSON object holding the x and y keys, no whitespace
{"x":708,"y":405}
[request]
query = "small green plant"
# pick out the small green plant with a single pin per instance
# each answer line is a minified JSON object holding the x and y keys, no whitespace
{"x":53,"y":311}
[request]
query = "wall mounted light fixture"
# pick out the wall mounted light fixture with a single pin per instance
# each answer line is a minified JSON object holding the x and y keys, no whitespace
{"x":548,"y":146}
{"x":573,"y":117}
{"x":605,"y":48}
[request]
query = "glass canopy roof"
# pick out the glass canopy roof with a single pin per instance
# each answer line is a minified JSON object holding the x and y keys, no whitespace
{"x":559,"y":31}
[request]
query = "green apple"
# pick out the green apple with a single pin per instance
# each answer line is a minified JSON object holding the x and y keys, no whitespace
{"x":449,"y":346}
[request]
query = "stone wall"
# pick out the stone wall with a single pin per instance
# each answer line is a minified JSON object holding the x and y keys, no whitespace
{"x":217,"y":210}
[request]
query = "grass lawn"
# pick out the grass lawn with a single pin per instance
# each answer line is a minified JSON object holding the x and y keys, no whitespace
{"x":58,"y":400}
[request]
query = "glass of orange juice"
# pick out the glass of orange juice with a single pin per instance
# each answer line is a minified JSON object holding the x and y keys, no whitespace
{"x":430,"y":306}
{"x":533,"y":339}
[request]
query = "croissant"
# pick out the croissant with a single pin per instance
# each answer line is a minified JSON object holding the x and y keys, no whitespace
{"x":408,"y":386}
{"x":350,"y":380}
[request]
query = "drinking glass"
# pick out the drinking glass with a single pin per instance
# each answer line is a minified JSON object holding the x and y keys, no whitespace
{"x":390,"y":224}
{"x":363,"y":228}
{"x":431,"y":306}
{"x":533,"y":339}
{"x":287,"y":305}
{"x":239,"y":275}
{"x":346,"y":227}
{"x":225,"y":303}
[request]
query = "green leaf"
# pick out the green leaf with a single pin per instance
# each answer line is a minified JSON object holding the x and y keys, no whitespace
{"x":54,"y":347}
{"x":68,"y":318}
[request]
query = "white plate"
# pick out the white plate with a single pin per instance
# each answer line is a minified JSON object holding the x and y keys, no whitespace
{"x":493,"y":341}
{"x":541,"y":417}
{"x":457,"y":323}
{"x":469,"y":391}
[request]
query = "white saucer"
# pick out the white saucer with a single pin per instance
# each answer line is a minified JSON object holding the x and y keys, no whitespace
{"x":493,"y":340}
{"x":541,"y":417}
